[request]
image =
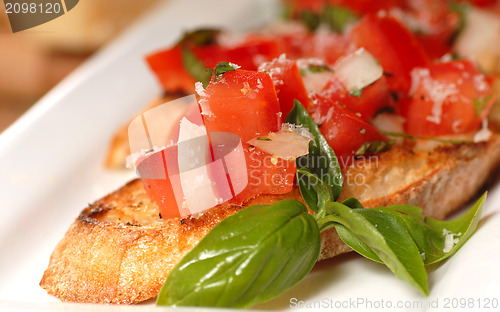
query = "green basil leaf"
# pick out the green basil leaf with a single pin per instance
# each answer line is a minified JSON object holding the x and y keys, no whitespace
{"x":321,"y":160}
{"x":263,"y":139}
{"x":249,"y":257}
{"x":201,"y":37}
{"x":481,"y":104}
{"x":374,"y":147}
{"x":220,"y":69}
{"x":314,"y":191}
{"x":325,"y":223}
{"x":356,"y":93}
{"x":386,"y":236}
{"x":466,"y":225}
{"x":460,"y":9}
{"x":194,"y":66}
{"x":431,"y":235}
{"x":287,"y":10}
{"x":352,"y":202}
{"x":335,"y":17}
{"x":338,"y":17}
{"x":310,"y":19}
{"x":356,"y":243}
{"x":430,"y":244}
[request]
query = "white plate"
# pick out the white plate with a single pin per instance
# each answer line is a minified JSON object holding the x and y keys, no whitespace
{"x":50,"y":166}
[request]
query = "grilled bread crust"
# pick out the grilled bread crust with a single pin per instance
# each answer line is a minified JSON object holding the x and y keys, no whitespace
{"x":119,"y":250}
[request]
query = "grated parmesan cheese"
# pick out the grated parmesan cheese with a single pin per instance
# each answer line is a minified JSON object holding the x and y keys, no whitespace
{"x":246,"y":88}
{"x":305,"y":63}
{"x":438,"y":91}
{"x":484,"y":134}
{"x":299,"y":129}
{"x":449,"y":240}
{"x":234,"y":66}
{"x":479,"y":83}
{"x":259,"y":84}
{"x":205,"y":109}
{"x":198,"y":87}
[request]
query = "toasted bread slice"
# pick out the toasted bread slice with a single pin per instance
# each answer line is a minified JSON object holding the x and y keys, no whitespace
{"x":119,"y":250}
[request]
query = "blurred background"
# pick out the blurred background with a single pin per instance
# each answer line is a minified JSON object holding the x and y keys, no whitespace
{"x":35,"y":60}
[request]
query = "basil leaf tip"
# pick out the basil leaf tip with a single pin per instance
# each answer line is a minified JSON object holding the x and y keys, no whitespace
{"x":194,"y":66}
{"x":314,"y":192}
{"x":379,"y":233}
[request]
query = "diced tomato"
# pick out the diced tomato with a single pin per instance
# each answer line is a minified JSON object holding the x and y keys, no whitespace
{"x":447,"y":98}
{"x":242,"y":102}
{"x":245,"y":103}
{"x":287,"y":82}
{"x":292,"y":40}
{"x":297,"y":43}
{"x":373,"y":98}
{"x":327,"y":46}
{"x":159,"y":183}
{"x":394,"y":46}
{"x":266,"y":175}
{"x":168,"y":68}
{"x":434,"y":25}
{"x":249,"y":53}
{"x":344,"y":131}
{"x":174,"y":77}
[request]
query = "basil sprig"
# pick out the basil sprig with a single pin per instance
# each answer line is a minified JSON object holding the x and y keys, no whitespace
{"x":431,"y":235}
{"x":261,"y":251}
{"x":321,"y":160}
{"x":386,"y":237}
{"x":399,"y":236}
{"x":249,"y":257}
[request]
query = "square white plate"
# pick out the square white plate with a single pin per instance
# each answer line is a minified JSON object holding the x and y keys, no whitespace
{"x":51,"y":168}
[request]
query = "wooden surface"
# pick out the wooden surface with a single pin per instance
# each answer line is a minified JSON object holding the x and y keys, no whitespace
{"x":35,"y":60}
{"x":20,"y":89}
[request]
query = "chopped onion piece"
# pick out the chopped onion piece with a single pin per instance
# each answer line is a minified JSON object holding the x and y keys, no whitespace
{"x":315,"y":82}
{"x":358,"y":70}
{"x":288,"y":143}
{"x":388,"y":122}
